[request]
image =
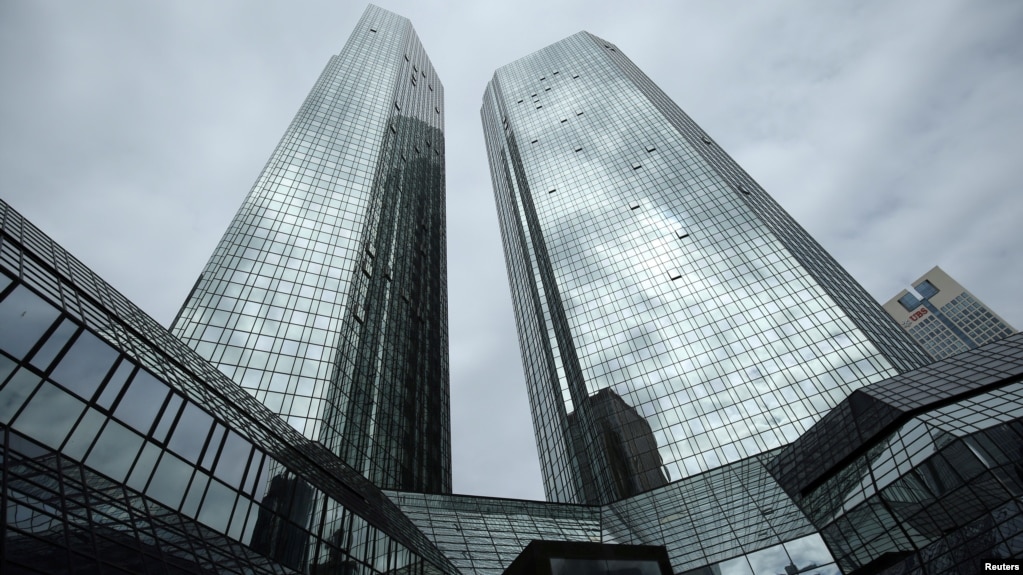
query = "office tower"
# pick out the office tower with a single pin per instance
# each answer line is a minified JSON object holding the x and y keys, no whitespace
{"x":326,"y":298}
{"x":944,"y":317}
{"x":123,"y":451}
{"x":644,"y":261}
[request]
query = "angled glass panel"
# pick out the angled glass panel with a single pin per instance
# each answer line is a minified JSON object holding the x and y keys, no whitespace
{"x":142,"y":401}
{"x":233,"y":459}
{"x":50,"y":415}
{"x":25,"y":317}
{"x":191,"y":432}
{"x":15,"y":392}
{"x":85,"y":365}
{"x":115,"y":451}
{"x":54,"y":344}
{"x":82,"y":437}
{"x":170,"y":480}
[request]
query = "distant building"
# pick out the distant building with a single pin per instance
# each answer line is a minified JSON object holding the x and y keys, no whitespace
{"x":944,"y":317}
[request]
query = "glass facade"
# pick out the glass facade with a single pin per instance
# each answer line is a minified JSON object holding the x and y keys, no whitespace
{"x":733,"y":520}
{"x":326,"y":299}
{"x":921,"y":473}
{"x":646,"y":266}
{"x":123,"y":450}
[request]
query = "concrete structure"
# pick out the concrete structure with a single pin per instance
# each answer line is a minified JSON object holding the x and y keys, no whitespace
{"x":944,"y":317}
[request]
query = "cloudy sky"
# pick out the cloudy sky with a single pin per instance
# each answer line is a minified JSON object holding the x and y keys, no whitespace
{"x":130,"y":132}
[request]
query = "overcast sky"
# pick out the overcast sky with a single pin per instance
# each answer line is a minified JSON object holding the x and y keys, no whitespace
{"x":131,"y":131}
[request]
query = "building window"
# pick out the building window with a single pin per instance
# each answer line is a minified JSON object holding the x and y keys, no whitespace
{"x":926,"y":289}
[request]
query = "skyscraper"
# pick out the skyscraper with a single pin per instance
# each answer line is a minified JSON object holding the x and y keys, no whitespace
{"x":644,"y":262}
{"x":944,"y":317}
{"x":326,"y":298}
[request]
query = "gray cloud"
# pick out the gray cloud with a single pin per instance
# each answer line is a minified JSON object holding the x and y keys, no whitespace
{"x":131,"y":131}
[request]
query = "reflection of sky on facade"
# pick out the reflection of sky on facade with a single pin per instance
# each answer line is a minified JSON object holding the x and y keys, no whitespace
{"x":281,"y":305}
{"x":676,"y":295}
{"x":277,"y":283}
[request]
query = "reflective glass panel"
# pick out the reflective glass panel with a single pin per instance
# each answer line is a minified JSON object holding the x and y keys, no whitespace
{"x":114,"y":451}
{"x":49,"y":416}
{"x":25,"y":317}
{"x":85,"y":365}
{"x":190,"y":432}
{"x":142,"y":401}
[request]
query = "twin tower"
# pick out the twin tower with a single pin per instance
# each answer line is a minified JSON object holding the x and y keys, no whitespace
{"x":672,"y":318}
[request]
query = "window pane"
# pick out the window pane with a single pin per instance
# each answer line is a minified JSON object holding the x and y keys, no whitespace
{"x":15,"y":392}
{"x":115,"y":384}
{"x":191,"y":432}
{"x":233,"y":459}
{"x":49,"y":416}
{"x":54,"y":344}
{"x":170,"y":481}
{"x":144,"y":467}
{"x":217,"y":507}
{"x":169,"y":414}
{"x":6,"y":367}
{"x":142,"y":401}
{"x":85,"y":365}
{"x":25,"y":317}
{"x":115,"y":450}
{"x":83,"y":435}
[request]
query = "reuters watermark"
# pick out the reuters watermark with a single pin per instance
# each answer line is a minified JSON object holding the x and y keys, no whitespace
{"x":1002,"y":565}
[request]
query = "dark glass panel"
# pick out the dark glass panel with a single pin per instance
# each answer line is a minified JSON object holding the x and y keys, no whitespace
{"x":82,"y":437}
{"x":217,"y":506}
{"x":233,"y":459}
{"x":170,"y":480}
{"x":49,"y":416}
{"x":115,"y":384}
{"x":85,"y":365}
{"x":54,"y":344}
{"x":142,"y":401}
{"x":190,"y":432}
{"x":115,"y":450}
{"x":144,"y":467}
{"x":15,"y":392}
{"x":211,"y":452}
{"x":167,"y":419}
{"x":25,"y":317}
{"x":7,"y":366}
{"x":195,"y":493}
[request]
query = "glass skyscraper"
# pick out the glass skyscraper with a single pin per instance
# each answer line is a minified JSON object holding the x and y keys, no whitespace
{"x":326,"y":299}
{"x":650,"y":273}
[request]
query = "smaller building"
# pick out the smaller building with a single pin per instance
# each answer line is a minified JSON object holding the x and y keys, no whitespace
{"x":945,"y":318}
